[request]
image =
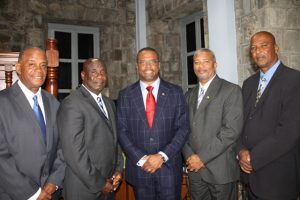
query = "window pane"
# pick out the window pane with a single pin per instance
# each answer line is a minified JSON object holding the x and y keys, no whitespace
{"x":80,"y":66}
{"x":85,"y":46}
{"x":192,"y":78}
{"x":64,"y":76}
{"x":63,"y":44}
{"x":202,"y":33}
{"x":190,"y":37}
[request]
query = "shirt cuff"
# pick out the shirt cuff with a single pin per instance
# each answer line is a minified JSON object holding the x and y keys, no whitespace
{"x":36,"y":195}
{"x":141,"y":162}
{"x":165,"y":157}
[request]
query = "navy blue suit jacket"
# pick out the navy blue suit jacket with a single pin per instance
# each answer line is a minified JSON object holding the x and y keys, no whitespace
{"x":168,"y":134}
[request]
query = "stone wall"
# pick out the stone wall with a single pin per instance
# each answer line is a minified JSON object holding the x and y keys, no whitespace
{"x":24,"y":23}
{"x":281,"y":17}
{"x":164,"y":33}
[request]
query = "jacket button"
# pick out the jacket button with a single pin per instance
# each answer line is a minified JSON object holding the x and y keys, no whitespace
{"x":151,"y":139}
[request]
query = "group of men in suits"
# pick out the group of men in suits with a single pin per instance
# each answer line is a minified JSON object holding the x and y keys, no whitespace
{"x":218,"y":128}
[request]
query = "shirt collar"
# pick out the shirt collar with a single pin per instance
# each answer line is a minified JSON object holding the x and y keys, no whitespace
{"x":29,"y":94}
{"x":206,"y":85}
{"x":269,"y":74}
{"x":93,"y":94}
{"x":155,"y":84}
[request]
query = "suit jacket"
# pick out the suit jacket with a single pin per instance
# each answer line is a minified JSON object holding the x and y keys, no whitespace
{"x":271,"y":133}
{"x":89,"y":144}
{"x":215,"y":127}
{"x":26,"y":162}
{"x":168,"y":134}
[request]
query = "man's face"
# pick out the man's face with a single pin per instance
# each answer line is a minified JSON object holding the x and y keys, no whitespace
{"x":148,"y":66}
{"x":204,"y":66}
{"x":94,"y":77}
{"x":263,"y":51}
{"x":32,"y":69}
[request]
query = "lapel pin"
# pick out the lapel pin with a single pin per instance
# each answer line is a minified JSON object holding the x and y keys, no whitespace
{"x":207,"y":97}
{"x":163,"y":94}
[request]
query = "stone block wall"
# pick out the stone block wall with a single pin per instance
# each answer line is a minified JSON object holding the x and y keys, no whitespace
{"x":164,"y":33}
{"x":24,"y":23}
{"x":281,"y":17}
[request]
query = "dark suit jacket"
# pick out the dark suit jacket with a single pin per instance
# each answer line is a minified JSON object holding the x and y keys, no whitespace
{"x":89,"y":144}
{"x":26,"y":163}
{"x":168,"y":134}
{"x":271,"y":133}
{"x":215,"y":127}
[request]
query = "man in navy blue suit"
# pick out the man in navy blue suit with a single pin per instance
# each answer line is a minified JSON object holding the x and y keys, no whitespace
{"x":152,"y":147}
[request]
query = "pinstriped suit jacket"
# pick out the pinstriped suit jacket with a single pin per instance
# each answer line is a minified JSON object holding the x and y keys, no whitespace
{"x":168,"y":134}
{"x":26,"y":163}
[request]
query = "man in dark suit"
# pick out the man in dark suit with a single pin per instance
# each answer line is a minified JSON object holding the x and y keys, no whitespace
{"x":152,"y":129}
{"x":87,"y":127}
{"x":216,"y":119}
{"x":31,"y":160}
{"x":267,"y":149}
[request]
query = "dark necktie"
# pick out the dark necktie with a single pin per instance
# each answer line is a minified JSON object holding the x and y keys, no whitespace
{"x":100,"y":103}
{"x":40,"y":118}
{"x":150,"y":106}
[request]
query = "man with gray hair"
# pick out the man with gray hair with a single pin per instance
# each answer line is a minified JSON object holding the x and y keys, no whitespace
{"x":216,"y":118}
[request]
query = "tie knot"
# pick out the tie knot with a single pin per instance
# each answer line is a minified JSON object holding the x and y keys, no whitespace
{"x":35,"y":99}
{"x":202,"y":90}
{"x":150,"y":88}
{"x":263,"y":79}
{"x":99,"y":99}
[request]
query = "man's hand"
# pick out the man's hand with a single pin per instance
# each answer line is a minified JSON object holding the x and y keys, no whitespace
{"x":108,"y":188}
{"x":116,"y":179}
{"x":44,"y":195}
{"x":194,"y":163}
{"x":153,"y":163}
{"x":245,"y":161}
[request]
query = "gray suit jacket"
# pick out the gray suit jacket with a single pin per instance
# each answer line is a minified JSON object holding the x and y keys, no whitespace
{"x":215,"y":127}
{"x":89,"y":144}
{"x":26,"y":163}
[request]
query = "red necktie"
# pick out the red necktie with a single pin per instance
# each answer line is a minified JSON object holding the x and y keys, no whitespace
{"x":150,"y":106}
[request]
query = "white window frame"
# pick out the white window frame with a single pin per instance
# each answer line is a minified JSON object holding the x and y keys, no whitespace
{"x":74,"y":30}
{"x":196,"y":17}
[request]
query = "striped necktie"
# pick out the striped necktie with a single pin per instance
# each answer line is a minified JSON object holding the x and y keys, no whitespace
{"x":100,"y":103}
{"x":261,"y":88}
{"x":200,"y":96}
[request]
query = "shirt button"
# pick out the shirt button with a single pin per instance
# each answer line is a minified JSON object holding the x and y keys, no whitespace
{"x":151,"y":139}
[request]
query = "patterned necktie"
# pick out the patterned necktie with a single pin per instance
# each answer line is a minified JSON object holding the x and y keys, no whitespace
{"x":200,"y":97}
{"x":100,"y":103}
{"x":40,"y":118}
{"x":150,"y":106}
{"x":260,"y":89}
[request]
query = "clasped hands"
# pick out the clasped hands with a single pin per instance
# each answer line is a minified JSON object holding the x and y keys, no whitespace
{"x":47,"y":191}
{"x":153,"y":163}
{"x":112,"y":183}
{"x":194,"y":163}
{"x":245,"y":161}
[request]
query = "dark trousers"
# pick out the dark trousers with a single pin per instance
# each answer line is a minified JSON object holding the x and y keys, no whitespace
{"x":158,"y":188}
{"x":202,"y":190}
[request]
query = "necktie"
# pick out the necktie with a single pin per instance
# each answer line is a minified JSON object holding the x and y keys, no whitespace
{"x":40,"y":118}
{"x":200,"y":96}
{"x":100,"y":103}
{"x":150,"y":106}
{"x":260,"y":89}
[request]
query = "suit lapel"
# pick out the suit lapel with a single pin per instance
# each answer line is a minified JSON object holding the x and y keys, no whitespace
{"x":210,"y":94}
{"x":162,"y":96}
{"x":21,"y":100}
{"x":137,"y":98}
{"x":92,"y":101}
{"x":48,"y":117}
{"x":274,"y":78}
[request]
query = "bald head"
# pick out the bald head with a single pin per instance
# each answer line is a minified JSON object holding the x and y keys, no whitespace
{"x":93,"y":75}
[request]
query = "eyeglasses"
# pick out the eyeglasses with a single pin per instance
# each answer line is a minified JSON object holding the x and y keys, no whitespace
{"x":149,"y":62}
